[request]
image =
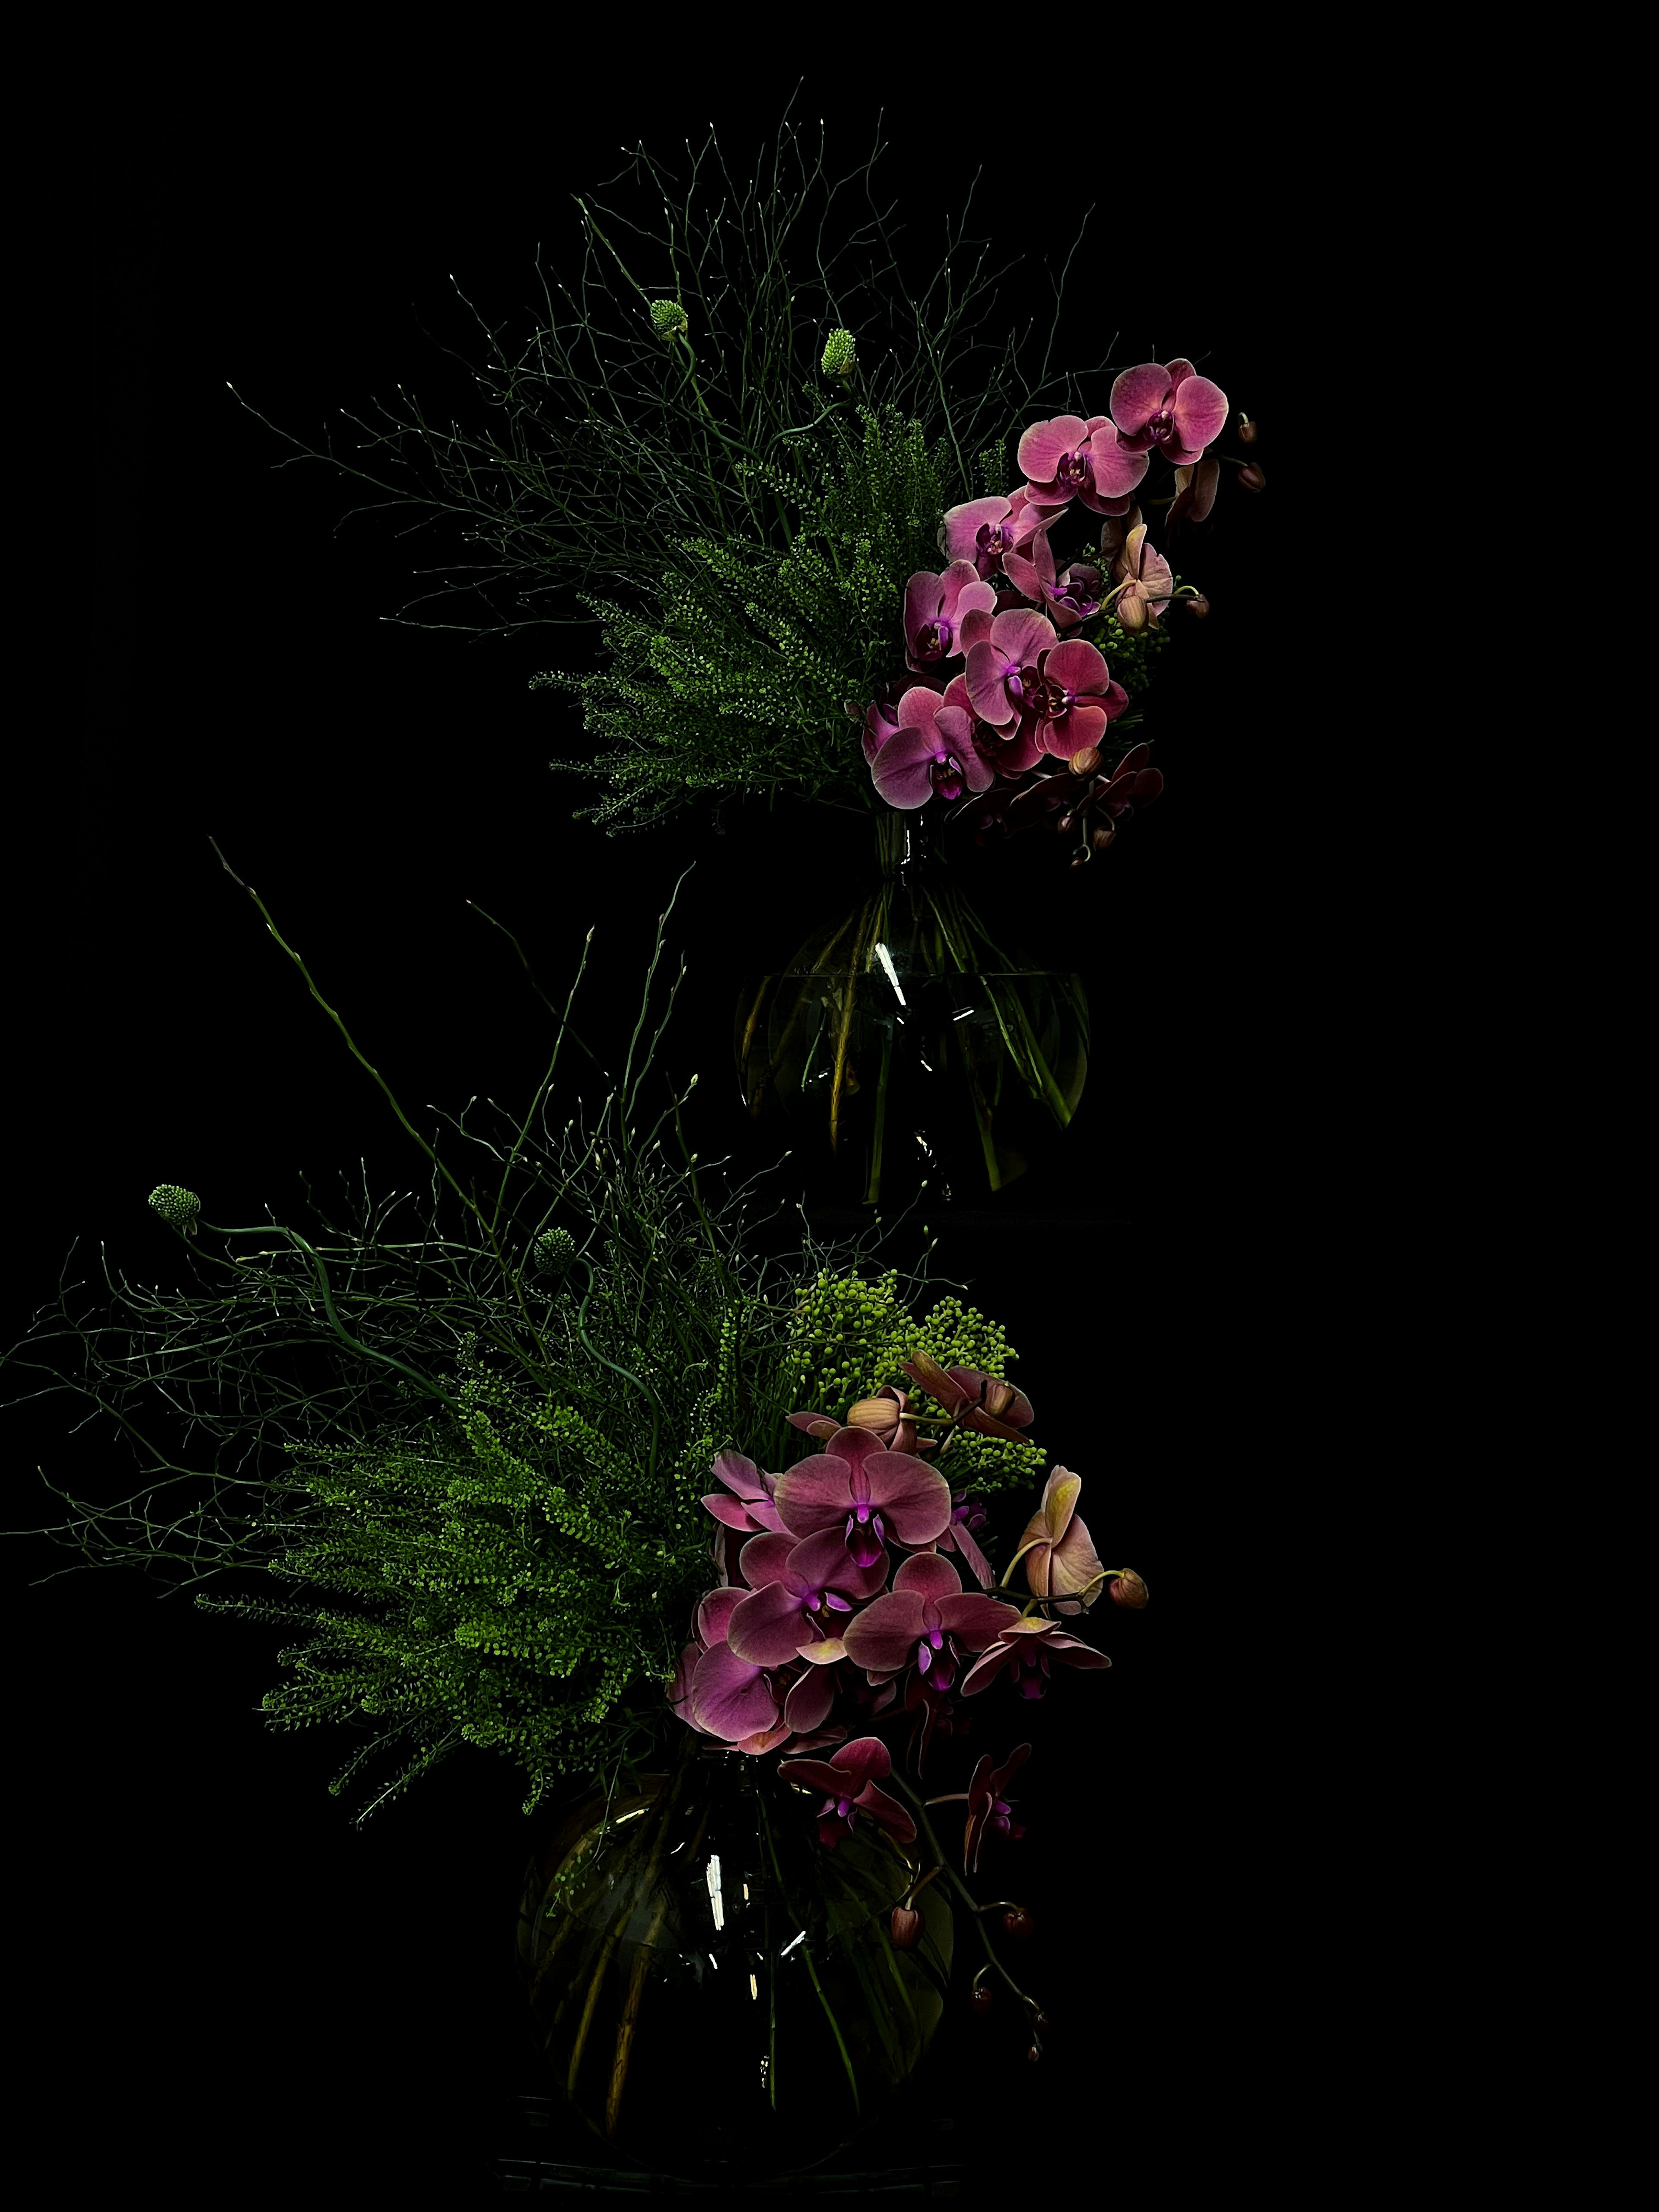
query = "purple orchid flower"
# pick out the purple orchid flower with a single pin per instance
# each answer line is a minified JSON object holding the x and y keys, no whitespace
{"x":988,"y":1808}
{"x":855,"y":1486}
{"x":790,"y":1583}
{"x":879,"y":721}
{"x":754,"y":1709}
{"x":1067,"y":600}
{"x":977,"y":1400}
{"x":1174,"y":408}
{"x":985,"y":531}
{"x":747,"y":1512}
{"x":933,"y":609}
{"x":959,"y":1536}
{"x":932,"y":750}
{"x":851,"y":1778}
{"x":926,"y":1604}
{"x":1067,"y":458}
{"x":749,"y":1508}
{"x":1027,"y":1647}
{"x":724,"y":1697}
{"x":1131,"y":779}
{"x":1059,"y":697}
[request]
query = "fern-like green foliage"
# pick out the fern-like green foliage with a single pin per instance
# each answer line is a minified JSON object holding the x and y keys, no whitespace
{"x":741,"y":680}
{"x":523,"y":1576}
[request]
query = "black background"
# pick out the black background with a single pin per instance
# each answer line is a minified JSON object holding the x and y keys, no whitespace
{"x":232,"y":1988}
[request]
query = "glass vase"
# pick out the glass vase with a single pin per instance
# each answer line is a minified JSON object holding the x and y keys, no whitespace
{"x":906,"y":1043}
{"x":715,"y":1991}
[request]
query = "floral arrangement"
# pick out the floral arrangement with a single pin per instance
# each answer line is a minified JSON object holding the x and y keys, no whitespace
{"x":729,"y":444}
{"x":840,"y":1588}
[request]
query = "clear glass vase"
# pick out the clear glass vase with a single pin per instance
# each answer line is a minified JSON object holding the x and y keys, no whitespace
{"x":906,"y":1041}
{"x":715,"y":1991}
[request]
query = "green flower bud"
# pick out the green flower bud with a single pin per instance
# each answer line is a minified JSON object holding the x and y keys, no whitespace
{"x":668,"y":320}
{"x":840,"y":355}
{"x":553,"y":1251}
{"x":177,"y":1207}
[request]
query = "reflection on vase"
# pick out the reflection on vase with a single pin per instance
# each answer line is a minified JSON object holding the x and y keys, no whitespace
{"x":714,"y":1991}
{"x":904,"y":1037}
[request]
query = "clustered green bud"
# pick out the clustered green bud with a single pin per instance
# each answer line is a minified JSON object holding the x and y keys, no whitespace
{"x":668,"y":320}
{"x":994,"y":472}
{"x":839,"y":354}
{"x":851,"y":1338}
{"x":178,"y":1208}
{"x":1129,"y":653}
{"x":553,"y":1251}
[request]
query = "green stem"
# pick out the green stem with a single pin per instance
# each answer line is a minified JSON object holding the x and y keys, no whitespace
{"x":806,"y":1950}
{"x":967,"y":1895}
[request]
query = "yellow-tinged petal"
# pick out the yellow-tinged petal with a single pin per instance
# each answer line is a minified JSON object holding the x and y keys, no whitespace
{"x":824,"y":1654}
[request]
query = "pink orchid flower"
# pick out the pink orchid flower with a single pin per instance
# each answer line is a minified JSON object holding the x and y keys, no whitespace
{"x":932,"y":750}
{"x":1027,"y":1647}
{"x":1174,"y":408}
{"x":926,"y":1604}
{"x":985,"y":531}
{"x":933,"y":610}
{"x":1067,"y":458}
{"x":1056,"y":697}
{"x":851,"y":1778}
{"x":1067,"y":600}
{"x":855,"y":1486}
{"x":791,"y":1583}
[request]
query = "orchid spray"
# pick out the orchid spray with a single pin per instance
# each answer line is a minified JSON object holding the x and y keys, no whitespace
{"x":842,"y":1597}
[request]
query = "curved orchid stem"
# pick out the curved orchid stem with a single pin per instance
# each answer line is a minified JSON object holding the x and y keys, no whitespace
{"x":957,"y":1884}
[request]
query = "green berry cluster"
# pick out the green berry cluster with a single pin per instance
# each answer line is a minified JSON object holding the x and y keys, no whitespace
{"x":553,"y":1252}
{"x":1129,"y":656}
{"x":839,"y":354}
{"x":668,"y":320}
{"x":851,"y":1338}
{"x":176,"y":1207}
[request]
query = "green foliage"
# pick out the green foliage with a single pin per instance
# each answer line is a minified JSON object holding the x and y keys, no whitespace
{"x":740,"y":683}
{"x":1130,"y":656}
{"x":851,"y":1338}
{"x":993,"y":473}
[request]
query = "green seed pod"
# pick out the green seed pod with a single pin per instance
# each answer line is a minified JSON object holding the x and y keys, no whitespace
{"x":668,"y":320}
{"x":839,"y":354}
{"x":178,"y":1208}
{"x":553,"y":1252}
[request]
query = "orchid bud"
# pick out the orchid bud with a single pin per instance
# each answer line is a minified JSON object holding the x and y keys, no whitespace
{"x":668,"y":320}
{"x":1034,"y":2054}
{"x":1252,"y":478}
{"x":981,"y":1999}
{"x":840,"y":355}
{"x":1246,"y":431}
{"x":1132,"y":611}
{"x":1197,"y":604}
{"x":1085,"y":761}
{"x":906,"y":1928}
{"x":1018,"y":1921}
{"x":1128,"y":1588}
{"x":998,"y":1396}
{"x":1102,"y":836}
{"x":873,"y":1414}
{"x":177,"y":1207}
